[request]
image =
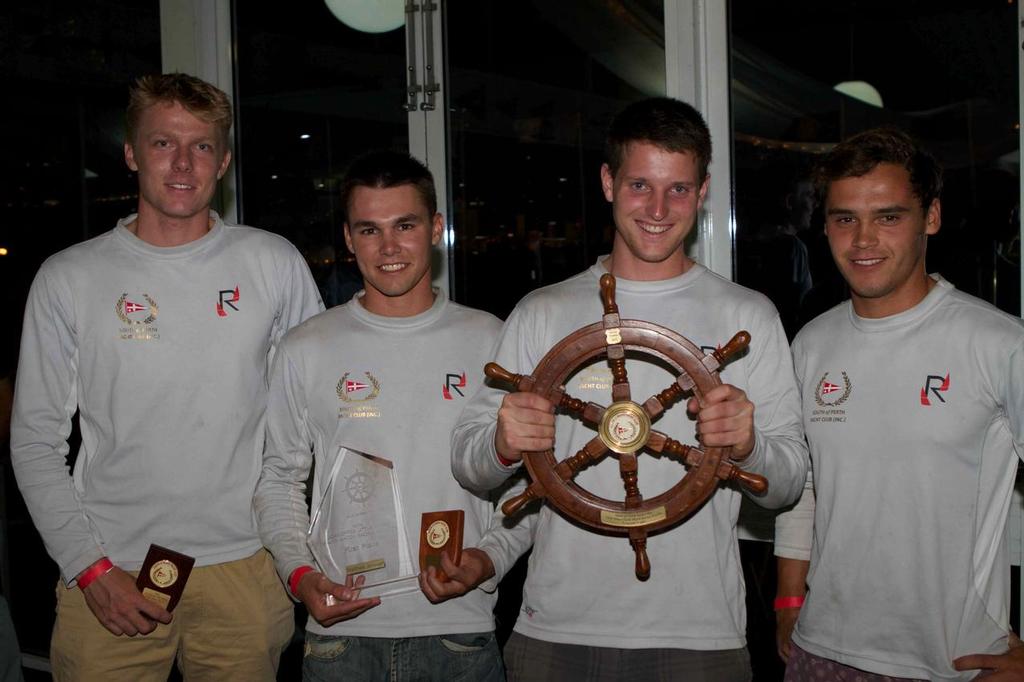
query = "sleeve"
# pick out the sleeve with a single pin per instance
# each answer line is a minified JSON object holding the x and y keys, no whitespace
{"x":300,"y":297}
{"x":780,"y":450}
{"x":794,"y":528}
{"x":1013,"y":396}
{"x":508,"y":538}
{"x":45,"y":398}
{"x":474,"y":458}
{"x":282,"y":515}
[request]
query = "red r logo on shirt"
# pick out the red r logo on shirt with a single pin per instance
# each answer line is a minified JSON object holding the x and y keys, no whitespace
{"x":228,"y":297}
{"x":937,"y":391}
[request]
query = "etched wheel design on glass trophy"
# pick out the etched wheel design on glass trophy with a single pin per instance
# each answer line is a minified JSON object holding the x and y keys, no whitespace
{"x":624,"y":428}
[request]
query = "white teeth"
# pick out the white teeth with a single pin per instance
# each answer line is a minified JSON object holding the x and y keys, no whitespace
{"x":868,"y":261}
{"x":392,"y":267}
{"x":176,"y":185}
{"x":654,"y":229}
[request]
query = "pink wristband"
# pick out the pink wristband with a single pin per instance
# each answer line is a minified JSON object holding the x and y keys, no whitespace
{"x":502,"y":461}
{"x":788,"y":603}
{"x":296,"y":576}
{"x":101,"y":567}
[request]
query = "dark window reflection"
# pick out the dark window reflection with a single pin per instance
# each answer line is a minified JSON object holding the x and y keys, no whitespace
{"x":947,"y":74}
{"x":65,"y":70}
{"x":313,"y":94}
{"x":531,"y":93}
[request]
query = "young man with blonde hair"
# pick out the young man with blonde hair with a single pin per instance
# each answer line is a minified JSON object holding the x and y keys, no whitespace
{"x":159,"y":334}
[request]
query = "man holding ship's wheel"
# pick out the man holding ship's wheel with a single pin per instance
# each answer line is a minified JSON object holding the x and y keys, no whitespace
{"x":585,"y":615}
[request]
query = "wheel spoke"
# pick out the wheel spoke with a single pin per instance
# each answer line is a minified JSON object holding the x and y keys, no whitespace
{"x":514,"y":505}
{"x":590,"y":413}
{"x":620,"y":381}
{"x":755,"y":483}
{"x":659,"y":402}
{"x":638,"y":540}
{"x":628,"y":471}
{"x":613,"y":340}
{"x":733,"y":348}
{"x":689,"y":456}
{"x":590,"y":453}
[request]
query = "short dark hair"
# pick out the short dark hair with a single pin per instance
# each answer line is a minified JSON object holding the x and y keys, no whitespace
{"x":667,"y":123}
{"x":384,"y":169}
{"x":204,"y":101}
{"x":860,"y":154}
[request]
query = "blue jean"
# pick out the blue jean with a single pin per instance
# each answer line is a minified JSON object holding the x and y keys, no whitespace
{"x":473,"y":657}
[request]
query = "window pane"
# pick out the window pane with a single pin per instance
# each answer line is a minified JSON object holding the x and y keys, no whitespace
{"x":314,"y":93}
{"x":945,"y":71}
{"x":531,"y":92}
{"x":65,"y":69}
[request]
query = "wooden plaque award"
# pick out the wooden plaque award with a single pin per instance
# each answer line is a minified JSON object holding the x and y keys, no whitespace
{"x":163,"y":576}
{"x":441,"y":533}
{"x":625,"y":428}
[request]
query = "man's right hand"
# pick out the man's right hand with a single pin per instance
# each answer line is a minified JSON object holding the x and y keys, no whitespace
{"x":328,"y":602}
{"x":120,"y":607}
{"x":526,"y":423}
{"x":785,"y":621}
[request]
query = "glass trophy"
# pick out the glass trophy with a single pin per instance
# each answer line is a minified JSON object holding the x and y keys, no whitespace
{"x":358,"y":528}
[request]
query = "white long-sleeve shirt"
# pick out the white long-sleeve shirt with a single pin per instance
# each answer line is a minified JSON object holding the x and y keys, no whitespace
{"x":915,"y":423}
{"x":391,"y":387}
{"x":581,"y":587}
{"x":165,"y":354}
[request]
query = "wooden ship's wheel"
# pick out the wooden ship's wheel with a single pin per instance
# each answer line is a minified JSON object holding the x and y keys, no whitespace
{"x":624,"y":428}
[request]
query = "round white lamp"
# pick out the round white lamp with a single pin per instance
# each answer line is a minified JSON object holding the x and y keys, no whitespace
{"x":861,"y":90}
{"x":369,"y":16}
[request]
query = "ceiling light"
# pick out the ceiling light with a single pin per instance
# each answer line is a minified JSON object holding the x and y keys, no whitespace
{"x":860,"y":90}
{"x":369,"y":16}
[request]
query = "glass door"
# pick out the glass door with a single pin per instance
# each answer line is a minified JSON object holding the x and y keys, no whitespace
{"x":806,"y":76}
{"x":531,"y":89}
{"x":318,"y":83}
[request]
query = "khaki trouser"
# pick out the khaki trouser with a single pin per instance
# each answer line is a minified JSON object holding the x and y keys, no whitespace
{"x":232,"y":623}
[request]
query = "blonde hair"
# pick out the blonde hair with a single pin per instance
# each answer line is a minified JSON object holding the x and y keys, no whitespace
{"x":204,"y":101}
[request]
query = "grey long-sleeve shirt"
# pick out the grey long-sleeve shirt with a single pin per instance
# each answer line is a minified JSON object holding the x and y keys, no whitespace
{"x":580,"y":588}
{"x":390,"y":387}
{"x":916,"y":427}
{"x":164,"y":352}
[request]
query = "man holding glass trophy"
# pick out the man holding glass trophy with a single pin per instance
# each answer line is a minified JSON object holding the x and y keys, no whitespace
{"x":370,"y":390}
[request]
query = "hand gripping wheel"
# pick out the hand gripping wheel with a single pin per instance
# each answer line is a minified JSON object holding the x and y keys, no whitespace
{"x":624,"y":428}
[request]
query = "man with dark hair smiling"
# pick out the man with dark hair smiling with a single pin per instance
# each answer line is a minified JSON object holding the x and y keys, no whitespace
{"x":416,"y":355}
{"x":585,"y":616}
{"x":913,"y":402}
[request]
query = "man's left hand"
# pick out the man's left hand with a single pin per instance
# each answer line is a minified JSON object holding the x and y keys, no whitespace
{"x":474,"y":568}
{"x":1008,"y":667}
{"x":727,"y":419}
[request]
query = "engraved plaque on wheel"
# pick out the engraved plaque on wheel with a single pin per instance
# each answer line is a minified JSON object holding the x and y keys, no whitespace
{"x":163,"y":575}
{"x":441,"y":533}
{"x":358,"y":526}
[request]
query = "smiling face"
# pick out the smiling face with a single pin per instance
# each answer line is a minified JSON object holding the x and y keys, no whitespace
{"x":392,"y":234}
{"x":878,"y":232}
{"x":179,"y":159}
{"x":656,"y":195}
